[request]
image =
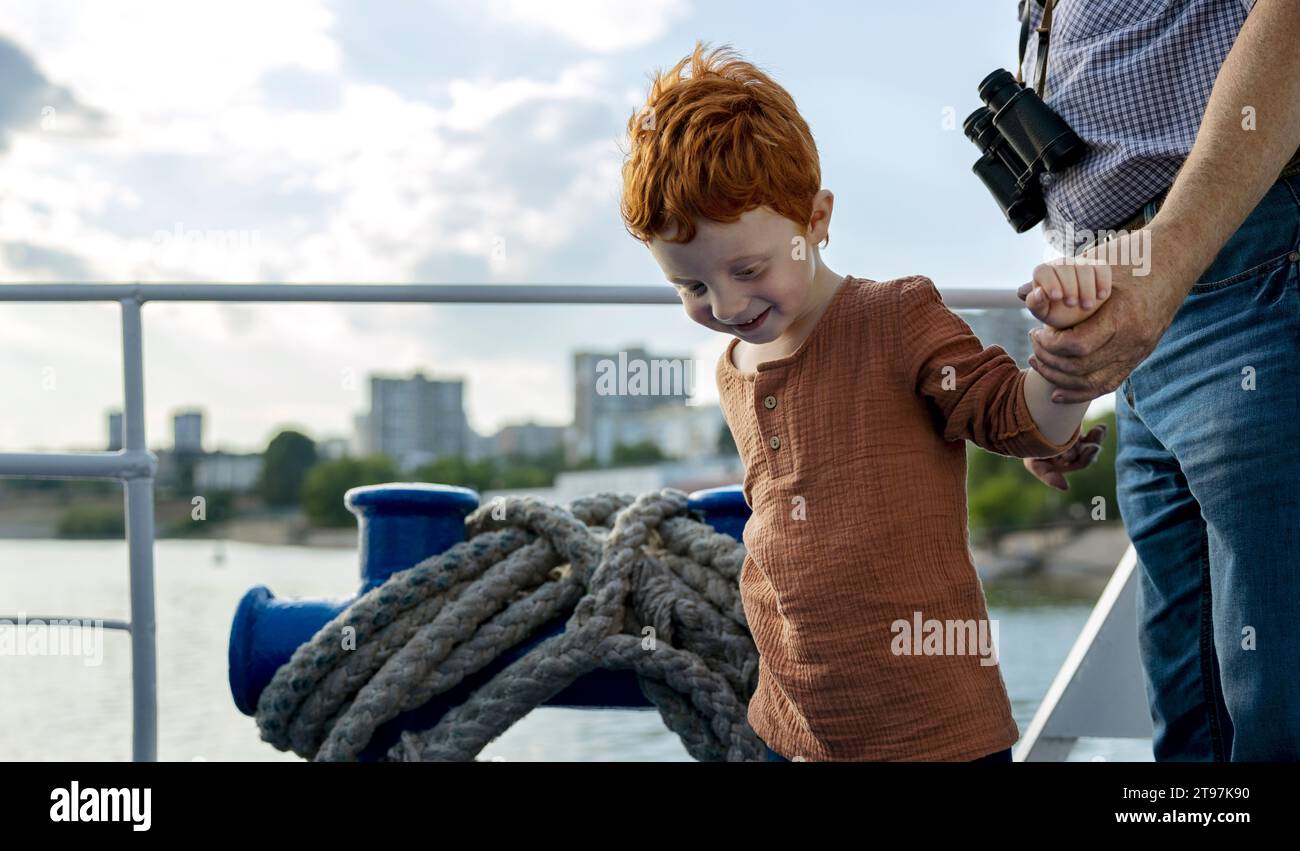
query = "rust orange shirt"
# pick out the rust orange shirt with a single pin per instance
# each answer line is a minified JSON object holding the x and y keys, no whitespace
{"x":854,"y":449}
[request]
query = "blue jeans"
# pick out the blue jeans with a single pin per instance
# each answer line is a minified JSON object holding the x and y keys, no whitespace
{"x":1208,"y":479}
{"x":1000,"y":756}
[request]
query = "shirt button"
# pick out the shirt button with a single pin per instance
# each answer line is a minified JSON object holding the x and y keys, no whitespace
{"x":1294,"y":257}
{"x":776,"y":442}
{"x":769,"y":402}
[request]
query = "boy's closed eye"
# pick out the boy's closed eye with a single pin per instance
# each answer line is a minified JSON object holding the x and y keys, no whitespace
{"x":698,"y":290}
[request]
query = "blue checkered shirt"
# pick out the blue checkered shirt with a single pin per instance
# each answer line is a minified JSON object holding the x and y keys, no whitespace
{"x":1132,"y":78}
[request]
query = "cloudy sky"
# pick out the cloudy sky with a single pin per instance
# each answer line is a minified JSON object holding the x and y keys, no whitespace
{"x":425,"y":142}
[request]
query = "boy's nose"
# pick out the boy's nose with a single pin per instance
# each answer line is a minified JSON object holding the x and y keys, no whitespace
{"x":732,"y":315}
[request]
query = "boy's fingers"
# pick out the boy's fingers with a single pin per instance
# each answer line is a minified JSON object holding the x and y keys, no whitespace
{"x":1045,"y":277}
{"x":1036,"y":302}
{"x":1038,"y":305}
{"x":1078,"y":457}
{"x":1087,"y":286}
{"x":1047,"y":471}
{"x":1070,"y":284}
{"x":1058,"y":283}
{"x":1103,"y":282}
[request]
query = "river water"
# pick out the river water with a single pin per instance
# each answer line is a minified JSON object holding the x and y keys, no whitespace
{"x":58,"y":707}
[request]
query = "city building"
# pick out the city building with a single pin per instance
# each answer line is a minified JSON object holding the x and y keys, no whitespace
{"x":612,"y":390}
{"x":187,"y":432}
{"x":361,"y":434}
{"x":1006,"y":328}
{"x":227,"y":471}
{"x":529,"y":439}
{"x":689,"y":432}
{"x":480,"y":446}
{"x":115,"y":434}
{"x":330,"y":448}
{"x":416,"y":420}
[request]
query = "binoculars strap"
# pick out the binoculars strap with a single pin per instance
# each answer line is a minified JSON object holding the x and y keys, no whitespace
{"x":1044,"y":34}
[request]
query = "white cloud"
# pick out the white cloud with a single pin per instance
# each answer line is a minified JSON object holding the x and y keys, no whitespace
{"x":136,"y":59}
{"x":399,"y":180}
{"x":596,"y":25}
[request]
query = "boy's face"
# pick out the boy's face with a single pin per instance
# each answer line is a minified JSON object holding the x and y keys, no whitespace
{"x":732,"y":273}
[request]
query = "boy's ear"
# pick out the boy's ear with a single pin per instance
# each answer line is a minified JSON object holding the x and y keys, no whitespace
{"x":823,"y":206}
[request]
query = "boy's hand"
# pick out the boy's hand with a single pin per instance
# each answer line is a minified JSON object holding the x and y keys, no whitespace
{"x":1065,"y":294}
{"x":1051,"y":471}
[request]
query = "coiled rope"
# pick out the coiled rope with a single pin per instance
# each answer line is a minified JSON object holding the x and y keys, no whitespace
{"x":646,"y":587}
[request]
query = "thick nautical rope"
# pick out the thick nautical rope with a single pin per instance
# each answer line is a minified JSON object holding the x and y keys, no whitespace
{"x":646,"y":587}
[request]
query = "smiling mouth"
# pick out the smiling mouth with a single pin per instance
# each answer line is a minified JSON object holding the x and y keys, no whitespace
{"x":753,"y":323}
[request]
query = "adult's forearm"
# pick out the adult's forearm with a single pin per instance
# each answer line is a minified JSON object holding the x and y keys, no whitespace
{"x":1231,"y":167}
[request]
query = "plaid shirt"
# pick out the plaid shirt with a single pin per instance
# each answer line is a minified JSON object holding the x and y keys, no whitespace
{"x":1132,"y":78}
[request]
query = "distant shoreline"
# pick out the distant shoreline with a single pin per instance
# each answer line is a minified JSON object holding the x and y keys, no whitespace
{"x":1072,"y":568}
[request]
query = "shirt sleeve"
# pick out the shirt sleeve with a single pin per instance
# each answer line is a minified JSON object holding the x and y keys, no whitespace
{"x":977,"y":393}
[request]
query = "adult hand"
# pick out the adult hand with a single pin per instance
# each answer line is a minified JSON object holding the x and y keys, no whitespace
{"x":1092,"y":358}
{"x":1085,"y":450}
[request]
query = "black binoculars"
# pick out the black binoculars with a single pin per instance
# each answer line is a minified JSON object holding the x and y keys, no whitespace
{"x":1019,"y":138}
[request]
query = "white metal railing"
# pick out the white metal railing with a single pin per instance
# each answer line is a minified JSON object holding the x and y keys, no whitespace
{"x":1093,"y":694}
{"x":1099,"y":689}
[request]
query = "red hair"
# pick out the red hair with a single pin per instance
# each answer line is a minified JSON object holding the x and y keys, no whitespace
{"x":715,"y":144}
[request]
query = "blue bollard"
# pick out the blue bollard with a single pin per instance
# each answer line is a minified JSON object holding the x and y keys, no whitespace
{"x":722,"y":508}
{"x":400,"y":525}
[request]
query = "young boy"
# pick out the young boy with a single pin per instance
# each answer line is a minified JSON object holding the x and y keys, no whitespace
{"x":850,"y":401}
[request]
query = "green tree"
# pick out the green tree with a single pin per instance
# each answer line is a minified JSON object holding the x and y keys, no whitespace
{"x":628,"y":454}
{"x":328,"y":481}
{"x":455,"y":470}
{"x":1003,"y":495}
{"x":1095,"y":480}
{"x":513,"y":471}
{"x":92,"y":521}
{"x":1004,"y":502}
{"x":284,"y":468}
{"x":218,"y":507}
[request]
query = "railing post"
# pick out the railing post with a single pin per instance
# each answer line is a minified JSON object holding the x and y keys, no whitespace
{"x":139,"y":541}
